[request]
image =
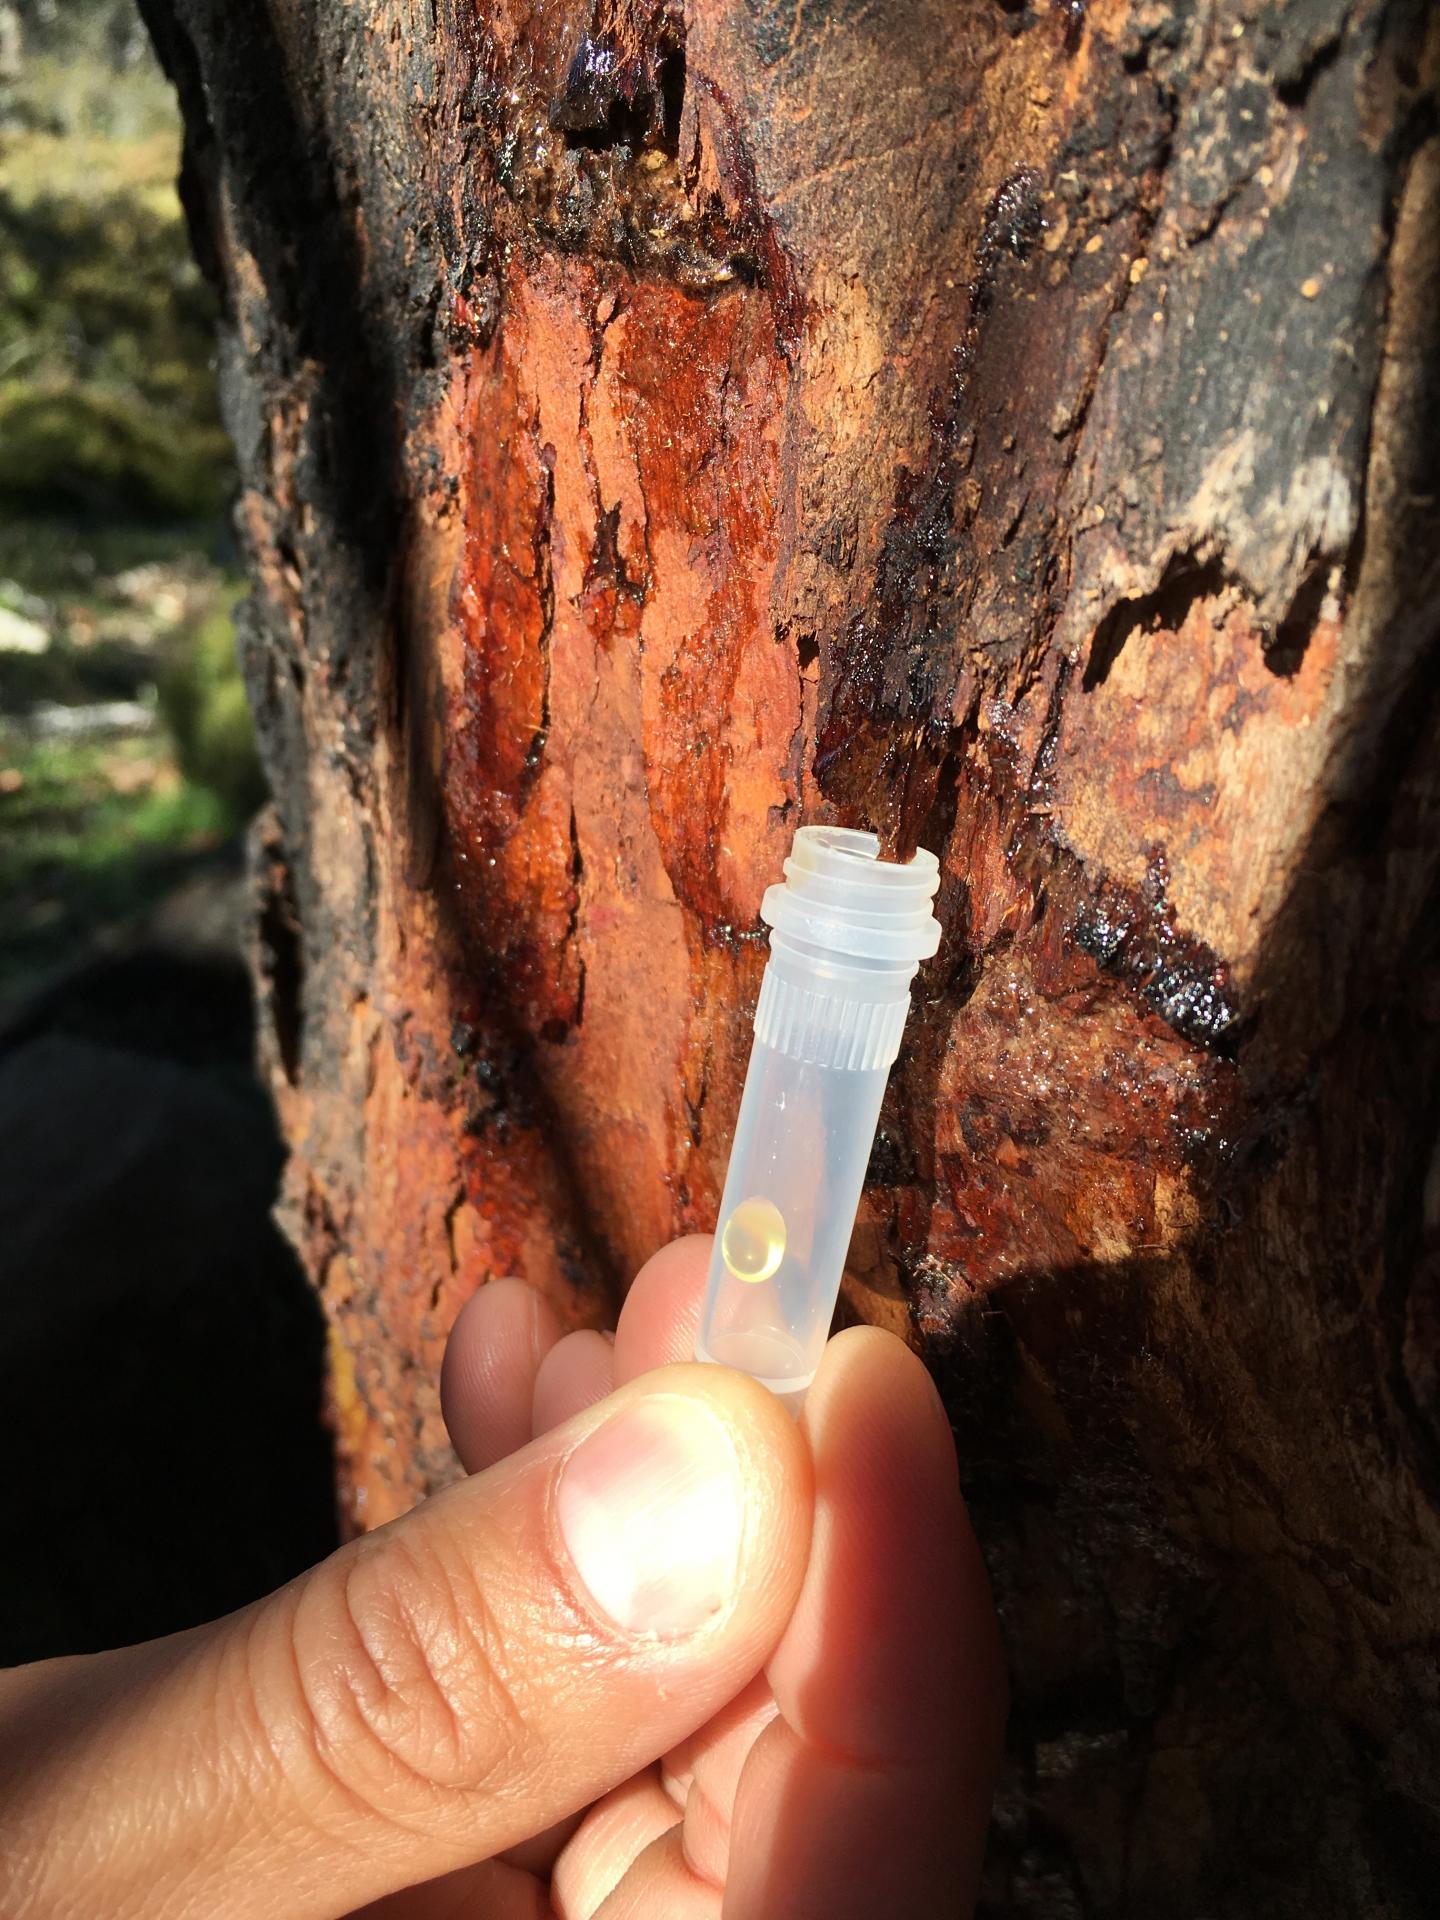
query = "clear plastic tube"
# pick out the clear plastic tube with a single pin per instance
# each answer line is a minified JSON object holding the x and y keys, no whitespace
{"x":848,"y":931}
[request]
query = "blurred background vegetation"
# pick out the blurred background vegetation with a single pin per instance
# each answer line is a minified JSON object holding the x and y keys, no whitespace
{"x":126,"y":757}
{"x":155,"y":1330}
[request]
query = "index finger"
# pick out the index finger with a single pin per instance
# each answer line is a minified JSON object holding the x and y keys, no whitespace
{"x":871,"y":1791}
{"x":661,"y":1315}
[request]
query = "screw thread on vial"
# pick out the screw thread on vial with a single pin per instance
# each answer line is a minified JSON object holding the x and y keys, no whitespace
{"x":847,"y":932}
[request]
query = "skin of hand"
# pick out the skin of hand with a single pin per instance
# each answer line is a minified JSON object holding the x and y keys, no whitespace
{"x":665,"y":1655}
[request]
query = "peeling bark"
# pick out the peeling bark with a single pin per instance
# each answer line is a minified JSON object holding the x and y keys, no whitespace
{"x":1012,"y":427}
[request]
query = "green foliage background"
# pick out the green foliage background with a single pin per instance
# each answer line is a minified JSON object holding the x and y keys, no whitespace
{"x":107,"y":397}
{"x":115,"y":483}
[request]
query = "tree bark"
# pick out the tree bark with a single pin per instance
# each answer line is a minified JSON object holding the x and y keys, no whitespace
{"x":1012,"y":427}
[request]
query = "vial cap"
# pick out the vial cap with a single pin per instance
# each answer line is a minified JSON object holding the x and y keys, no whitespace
{"x":840,"y":896}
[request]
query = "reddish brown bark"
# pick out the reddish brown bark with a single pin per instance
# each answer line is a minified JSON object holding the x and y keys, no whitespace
{"x":1011,"y":427}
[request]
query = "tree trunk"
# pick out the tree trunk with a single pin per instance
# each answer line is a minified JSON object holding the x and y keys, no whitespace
{"x":1012,"y":427}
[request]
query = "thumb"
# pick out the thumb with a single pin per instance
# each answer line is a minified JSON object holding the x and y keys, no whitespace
{"x":435,"y":1692}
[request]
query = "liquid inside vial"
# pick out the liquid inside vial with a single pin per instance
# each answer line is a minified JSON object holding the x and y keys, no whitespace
{"x":752,"y":1334}
{"x":752,"y":1244}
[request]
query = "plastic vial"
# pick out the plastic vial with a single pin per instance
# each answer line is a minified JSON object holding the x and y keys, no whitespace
{"x":847,"y":932}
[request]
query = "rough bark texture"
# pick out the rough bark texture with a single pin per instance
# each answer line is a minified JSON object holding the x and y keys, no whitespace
{"x":1012,"y":427}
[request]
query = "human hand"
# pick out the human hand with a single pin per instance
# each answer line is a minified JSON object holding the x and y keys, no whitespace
{"x":627,"y":1615}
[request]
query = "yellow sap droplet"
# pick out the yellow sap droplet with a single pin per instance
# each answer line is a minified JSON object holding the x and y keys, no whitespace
{"x":753,"y":1243}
